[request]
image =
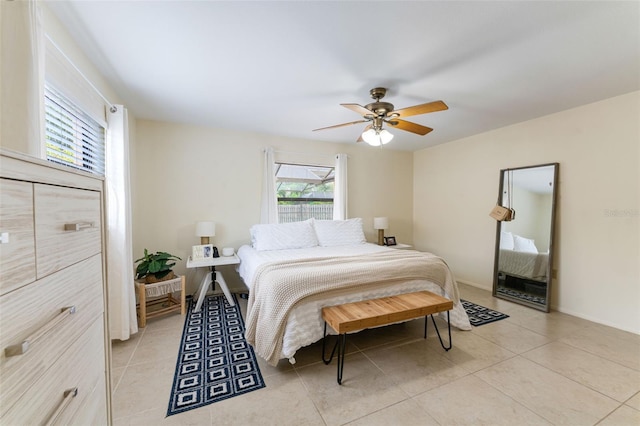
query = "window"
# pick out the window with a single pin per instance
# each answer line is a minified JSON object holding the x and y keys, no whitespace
{"x":304,"y":192}
{"x":72,"y":137}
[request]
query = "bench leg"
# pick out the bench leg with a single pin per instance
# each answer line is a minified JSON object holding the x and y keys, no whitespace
{"x":426,"y":321}
{"x":341,"y":346}
{"x":341,"y":350}
{"x":324,"y":340}
{"x":446,"y":348}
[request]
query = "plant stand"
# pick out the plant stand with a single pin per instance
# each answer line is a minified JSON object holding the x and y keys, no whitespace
{"x":161,"y":294}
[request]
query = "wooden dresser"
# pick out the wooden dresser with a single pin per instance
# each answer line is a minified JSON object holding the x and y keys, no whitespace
{"x":55,"y":352}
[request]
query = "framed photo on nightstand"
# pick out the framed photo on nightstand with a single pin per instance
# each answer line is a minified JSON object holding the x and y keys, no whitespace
{"x":202,"y":252}
{"x":389,"y":241}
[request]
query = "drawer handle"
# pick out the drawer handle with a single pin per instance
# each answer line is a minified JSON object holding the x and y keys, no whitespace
{"x":79,"y":226}
{"x":69,"y":394}
{"x":23,"y":346}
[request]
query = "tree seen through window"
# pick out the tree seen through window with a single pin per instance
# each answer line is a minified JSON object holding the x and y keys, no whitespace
{"x":304,"y":191}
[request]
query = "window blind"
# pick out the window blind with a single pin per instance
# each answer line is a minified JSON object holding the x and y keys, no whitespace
{"x":72,"y":137}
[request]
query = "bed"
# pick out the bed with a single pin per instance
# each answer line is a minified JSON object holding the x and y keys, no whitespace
{"x":522,"y":264}
{"x":293,"y":270}
{"x":519,"y":257}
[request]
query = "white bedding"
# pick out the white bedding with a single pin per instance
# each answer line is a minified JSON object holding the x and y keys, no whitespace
{"x":523,"y":264}
{"x":304,"y":324}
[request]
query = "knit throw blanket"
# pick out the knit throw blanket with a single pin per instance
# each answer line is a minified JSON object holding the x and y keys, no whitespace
{"x":278,"y":286}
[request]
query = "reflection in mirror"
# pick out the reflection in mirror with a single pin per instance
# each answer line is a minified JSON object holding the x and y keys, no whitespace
{"x":524,"y":245}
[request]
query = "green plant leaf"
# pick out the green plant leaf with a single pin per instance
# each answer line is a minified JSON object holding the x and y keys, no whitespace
{"x":157,"y":264}
{"x":162,"y":274}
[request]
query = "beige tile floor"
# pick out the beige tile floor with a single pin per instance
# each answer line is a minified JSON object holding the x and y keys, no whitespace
{"x":532,"y":368}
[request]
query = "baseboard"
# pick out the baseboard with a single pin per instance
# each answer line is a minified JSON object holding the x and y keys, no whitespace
{"x":592,"y":319}
{"x":476,"y":285}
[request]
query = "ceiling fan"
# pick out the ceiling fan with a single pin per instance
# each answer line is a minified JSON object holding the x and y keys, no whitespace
{"x":379,"y":112}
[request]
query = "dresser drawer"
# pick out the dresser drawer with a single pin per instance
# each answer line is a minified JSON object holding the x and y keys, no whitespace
{"x":81,"y":367}
{"x":94,"y":408}
{"x":31,"y":313}
{"x":68,"y":226}
{"x":17,"y":262}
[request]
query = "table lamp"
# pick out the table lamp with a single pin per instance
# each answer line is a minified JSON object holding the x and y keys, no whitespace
{"x":204,"y":230}
{"x":380,"y":223}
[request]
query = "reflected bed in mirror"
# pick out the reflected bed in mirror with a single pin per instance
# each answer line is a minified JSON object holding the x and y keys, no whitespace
{"x":524,"y":246}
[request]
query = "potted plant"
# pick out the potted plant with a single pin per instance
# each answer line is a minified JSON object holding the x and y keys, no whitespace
{"x":155,"y":267}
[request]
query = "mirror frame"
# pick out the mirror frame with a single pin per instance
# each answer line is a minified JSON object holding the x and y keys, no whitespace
{"x":550,"y":274}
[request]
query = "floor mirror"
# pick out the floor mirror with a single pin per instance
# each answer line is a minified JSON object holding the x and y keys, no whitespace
{"x":523,"y":267}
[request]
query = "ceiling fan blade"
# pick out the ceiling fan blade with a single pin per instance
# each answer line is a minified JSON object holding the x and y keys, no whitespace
{"x":358,"y":109}
{"x":341,"y":125}
{"x":365,"y":129}
{"x":419,"y":109}
{"x":409,"y":126}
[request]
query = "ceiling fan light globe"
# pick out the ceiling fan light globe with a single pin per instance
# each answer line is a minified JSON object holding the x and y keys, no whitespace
{"x":377,"y":137}
{"x":371,"y":137}
{"x":385,"y":136}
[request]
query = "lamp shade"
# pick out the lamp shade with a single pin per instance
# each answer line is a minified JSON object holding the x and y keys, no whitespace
{"x":205,"y":229}
{"x":377,"y":137}
{"x":380,"y":223}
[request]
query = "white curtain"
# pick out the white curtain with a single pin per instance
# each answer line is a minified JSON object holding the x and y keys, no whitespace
{"x":120,"y":274}
{"x":22,"y":78}
{"x":269,"y":207}
{"x":340,"y":188}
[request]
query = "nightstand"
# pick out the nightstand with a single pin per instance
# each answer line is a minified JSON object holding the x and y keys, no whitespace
{"x":214,"y":276}
{"x":401,"y":246}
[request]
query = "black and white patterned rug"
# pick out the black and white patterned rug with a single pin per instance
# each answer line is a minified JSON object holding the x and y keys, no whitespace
{"x":215,"y":361}
{"x":479,"y":315}
{"x":541,"y":300}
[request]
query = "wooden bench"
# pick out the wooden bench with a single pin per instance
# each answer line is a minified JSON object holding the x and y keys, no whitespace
{"x":355,"y":316}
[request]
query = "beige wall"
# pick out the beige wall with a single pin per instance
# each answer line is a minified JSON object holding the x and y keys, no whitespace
{"x":533,"y":217}
{"x":60,"y":36}
{"x":18,"y":80}
{"x":185,"y":173}
{"x":598,"y":234}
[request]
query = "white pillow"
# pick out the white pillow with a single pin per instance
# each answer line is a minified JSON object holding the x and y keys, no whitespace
{"x":339,"y":232}
{"x":524,"y":244}
{"x":283,"y":236}
{"x":506,"y":240}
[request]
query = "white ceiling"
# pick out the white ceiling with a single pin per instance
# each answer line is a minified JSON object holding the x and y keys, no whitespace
{"x":283,"y":68}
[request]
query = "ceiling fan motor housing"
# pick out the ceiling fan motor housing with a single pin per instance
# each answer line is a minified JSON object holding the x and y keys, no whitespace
{"x":380,"y":108}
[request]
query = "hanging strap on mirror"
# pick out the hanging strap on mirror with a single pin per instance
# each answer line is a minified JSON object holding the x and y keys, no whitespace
{"x":503,"y":212}
{"x":512,"y":214}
